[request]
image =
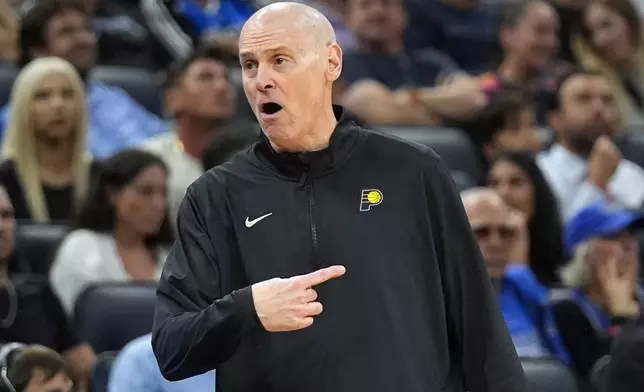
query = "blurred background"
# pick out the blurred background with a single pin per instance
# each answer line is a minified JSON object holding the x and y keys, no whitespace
{"x":110,"y":109}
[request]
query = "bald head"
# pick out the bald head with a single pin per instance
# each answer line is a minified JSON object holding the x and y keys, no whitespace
{"x":290,"y":61}
{"x":481,"y":198}
{"x":309,"y":21}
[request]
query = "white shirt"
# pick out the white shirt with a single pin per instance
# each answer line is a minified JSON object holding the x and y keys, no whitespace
{"x":566,"y":173}
{"x":183,"y":168}
{"x":87,"y":257}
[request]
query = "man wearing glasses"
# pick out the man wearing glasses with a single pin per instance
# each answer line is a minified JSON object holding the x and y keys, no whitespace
{"x":502,"y":237}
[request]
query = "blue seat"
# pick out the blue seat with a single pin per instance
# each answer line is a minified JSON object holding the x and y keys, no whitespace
{"x":37,"y":243}
{"x":142,"y":85}
{"x":109,"y":315}
{"x":101,"y":371}
{"x":548,"y":375}
{"x":452,"y":145}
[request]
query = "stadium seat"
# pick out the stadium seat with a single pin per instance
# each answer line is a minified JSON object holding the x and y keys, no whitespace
{"x":109,"y":315}
{"x":452,"y":145}
{"x":8,"y":74}
{"x":101,"y":371}
{"x":548,"y":375}
{"x":37,"y":243}
{"x":140,"y":84}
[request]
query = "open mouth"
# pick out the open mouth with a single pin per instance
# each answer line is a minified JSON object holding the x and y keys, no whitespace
{"x":271,"y":108}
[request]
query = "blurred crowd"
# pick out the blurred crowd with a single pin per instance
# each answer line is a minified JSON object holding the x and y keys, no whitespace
{"x":112,"y":108}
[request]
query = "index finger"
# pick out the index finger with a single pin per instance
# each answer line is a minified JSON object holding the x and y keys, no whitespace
{"x":320,"y":276}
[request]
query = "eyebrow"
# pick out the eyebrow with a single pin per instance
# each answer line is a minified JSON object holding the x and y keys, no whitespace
{"x":279,"y":48}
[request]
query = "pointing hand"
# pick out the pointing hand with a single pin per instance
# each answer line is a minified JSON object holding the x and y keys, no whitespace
{"x":289,"y":304}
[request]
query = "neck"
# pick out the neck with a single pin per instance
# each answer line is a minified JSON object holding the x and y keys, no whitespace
{"x":316,"y":139}
{"x":516,"y":72}
{"x":389,"y":46}
{"x":195,"y":134}
{"x":54,"y":155}
{"x":126,"y":237}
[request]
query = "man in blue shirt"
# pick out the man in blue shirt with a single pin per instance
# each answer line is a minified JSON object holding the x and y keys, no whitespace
{"x":503,"y":239}
{"x":135,"y":369}
{"x":62,"y":28}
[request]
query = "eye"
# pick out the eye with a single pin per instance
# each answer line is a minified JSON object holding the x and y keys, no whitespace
{"x":249,"y":65}
{"x":280,"y":61}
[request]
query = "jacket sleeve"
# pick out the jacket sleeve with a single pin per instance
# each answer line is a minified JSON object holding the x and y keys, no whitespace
{"x":479,"y":339}
{"x":197,"y":325}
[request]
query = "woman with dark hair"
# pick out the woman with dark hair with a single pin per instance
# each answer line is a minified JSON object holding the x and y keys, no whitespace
{"x":517,"y":178}
{"x":121,"y":230}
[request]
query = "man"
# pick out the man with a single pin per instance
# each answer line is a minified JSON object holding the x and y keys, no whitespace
{"x":61,"y":28}
{"x":585,"y":166}
{"x":29,"y":310}
{"x":36,"y":368}
{"x":502,"y":235}
{"x":385,"y":85}
{"x":315,"y":198}
{"x":199,"y":94}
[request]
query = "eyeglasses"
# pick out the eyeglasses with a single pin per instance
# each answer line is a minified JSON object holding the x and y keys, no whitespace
{"x":486,"y":231}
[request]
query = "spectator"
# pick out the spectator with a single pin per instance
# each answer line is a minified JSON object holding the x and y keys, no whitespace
{"x":8,"y":33}
{"x":46,"y":170}
{"x":61,"y":28}
{"x":30,"y":311}
{"x":584,"y":165}
{"x":465,"y":30}
{"x":507,"y":123}
{"x":202,"y":99}
{"x":387,"y":85}
{"x":517,"y":179}
{"x":36,"y":368}
{"x":529,"y":43}
{"x":136,"y":369}
{"x":503,"y":239}
{"x":226,"y":144}
{"x":603,"y":278}
{"x":610,"y":41}
{"x":120,"y":232}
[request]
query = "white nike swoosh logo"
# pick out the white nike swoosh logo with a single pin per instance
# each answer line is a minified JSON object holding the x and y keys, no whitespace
{"x":251,"y":223}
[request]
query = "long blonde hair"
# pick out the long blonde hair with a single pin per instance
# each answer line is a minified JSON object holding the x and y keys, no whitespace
{"x":20,"y":140}
{"x":588,"y":58}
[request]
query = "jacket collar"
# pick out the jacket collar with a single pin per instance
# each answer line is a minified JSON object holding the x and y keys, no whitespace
{"x":303,"y":165}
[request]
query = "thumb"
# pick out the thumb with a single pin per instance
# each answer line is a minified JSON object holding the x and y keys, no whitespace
{"x":320,"y":276}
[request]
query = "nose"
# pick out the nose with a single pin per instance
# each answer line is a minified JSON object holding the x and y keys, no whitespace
{"x":503,"y":189}
{"x":56,"y":101}
{"x":264,"y":78}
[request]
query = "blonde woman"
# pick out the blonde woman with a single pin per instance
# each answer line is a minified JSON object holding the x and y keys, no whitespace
{"x":45,"y":170}
{"x":610,"y":41}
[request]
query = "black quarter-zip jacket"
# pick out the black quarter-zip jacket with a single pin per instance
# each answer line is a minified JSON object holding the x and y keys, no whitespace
{"x":415,"y":311}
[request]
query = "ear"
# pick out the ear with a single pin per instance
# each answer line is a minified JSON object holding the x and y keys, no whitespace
{"x":334,"y":63}
{"x":172,"y":100}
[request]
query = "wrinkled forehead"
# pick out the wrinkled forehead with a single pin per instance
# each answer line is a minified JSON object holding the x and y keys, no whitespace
{"x":268,"y":36}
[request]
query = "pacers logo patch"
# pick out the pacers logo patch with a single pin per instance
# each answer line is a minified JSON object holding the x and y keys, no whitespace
{"x":370,"y":198}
